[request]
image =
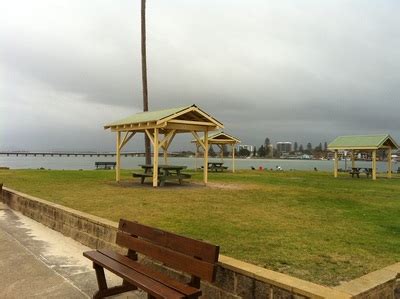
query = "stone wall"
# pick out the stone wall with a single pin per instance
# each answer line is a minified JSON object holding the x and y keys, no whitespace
{"x":235,"y":279}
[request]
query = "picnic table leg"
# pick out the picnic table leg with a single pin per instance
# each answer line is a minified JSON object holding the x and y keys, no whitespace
{"x":178,"y":173}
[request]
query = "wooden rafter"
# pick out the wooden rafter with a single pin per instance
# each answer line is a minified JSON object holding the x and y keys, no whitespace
{"x":176,"y":115}
{"x":151,"y":137}
{"x":191,"y":122}
{"x":126,"y":139}
{"x":199,"y":139}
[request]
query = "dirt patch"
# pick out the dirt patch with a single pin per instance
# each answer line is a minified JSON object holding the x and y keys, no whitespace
{"x":230,"y":186}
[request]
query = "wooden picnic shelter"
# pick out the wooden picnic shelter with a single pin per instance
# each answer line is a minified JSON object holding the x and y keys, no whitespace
{"x":219,"y":139}
{"x":161,"y":127}
{"x":364,"y":143}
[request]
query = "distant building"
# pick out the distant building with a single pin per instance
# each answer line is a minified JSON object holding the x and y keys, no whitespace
{"x":284,"y":147}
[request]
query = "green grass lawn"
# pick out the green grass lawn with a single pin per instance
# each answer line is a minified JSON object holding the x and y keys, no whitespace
{"x":305,"y":224}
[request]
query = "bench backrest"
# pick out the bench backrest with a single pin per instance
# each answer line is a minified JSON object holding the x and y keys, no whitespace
{"x":181,"y":253}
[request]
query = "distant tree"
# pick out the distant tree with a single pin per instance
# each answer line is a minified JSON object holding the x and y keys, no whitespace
{"x":243,"y":152}
{"x":254,"y":151}
{"x":301,"y":149}
{"x":211,"y":152}
{"x":267,"y":142}
{"x":261,"y":151}
{"x":325,"y":146}
{"x":309,"y":146}
{"x":295,"y":146}
{"x":318,"y":148}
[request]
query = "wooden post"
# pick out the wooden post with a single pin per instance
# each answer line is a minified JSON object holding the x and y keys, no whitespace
{"x":233,"y":157}
{"x":165,"y":151}
{"x":353,"y":159}
{"x":374,"y":164}
{"x":222,"y":153}
{"x":389,"y":175}
{"x":205,"y":173}
{"x":118,"y":157}
{"x":336,"y":164}
{"x":196,"y":155}
{"x":155,"y":159}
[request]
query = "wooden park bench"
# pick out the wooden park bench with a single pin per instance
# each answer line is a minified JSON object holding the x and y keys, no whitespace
{"x":105,"y":165}
{"x":191,"y":256}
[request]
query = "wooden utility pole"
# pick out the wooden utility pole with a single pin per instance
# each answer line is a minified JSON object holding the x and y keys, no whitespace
{"x":144,"y":78}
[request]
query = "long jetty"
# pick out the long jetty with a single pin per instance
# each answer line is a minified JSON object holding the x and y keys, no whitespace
{"x":73,"y":154}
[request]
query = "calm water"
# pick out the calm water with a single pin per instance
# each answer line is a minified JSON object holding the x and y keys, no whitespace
{"x":133,"y":162}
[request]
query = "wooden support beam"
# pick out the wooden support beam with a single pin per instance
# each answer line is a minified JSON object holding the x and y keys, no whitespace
{"x":205,"y":174}
{"x":389,"y":160}
{"x":155,"y":161}
{"x":191,"y":122}
{"x":196,"y":155}
{"x":128,"y":136}
{"x":336,"y":164}
{"x":164,"y":142}
{"x":353,"y":159}
{"x":187,"y":127}
{"x":148,"y":133}
{"x":374,"y":164}
{"x":198,"y":139}
{"x":118,"y":157}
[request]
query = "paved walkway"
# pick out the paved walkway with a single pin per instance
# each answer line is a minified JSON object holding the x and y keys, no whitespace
{"x":37,"y":262}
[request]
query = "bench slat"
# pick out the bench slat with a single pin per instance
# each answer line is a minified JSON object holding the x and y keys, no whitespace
{"x":171,"y":258}
{"x":199,"y":249}
{"x":160,"y":277}
{"x":143,"y":282}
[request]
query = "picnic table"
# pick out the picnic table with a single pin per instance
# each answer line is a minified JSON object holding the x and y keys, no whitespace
{"x":165,"y":173}
{"x":357,"y":170}
{"x":216,"y":166}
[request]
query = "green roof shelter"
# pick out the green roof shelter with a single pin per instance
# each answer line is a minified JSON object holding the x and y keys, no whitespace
{"x":365,"y":143}
{"x":161,"y":127}
{"x":219,"y":139}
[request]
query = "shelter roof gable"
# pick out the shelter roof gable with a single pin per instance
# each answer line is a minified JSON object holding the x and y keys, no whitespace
{"x":221,"y":136}
{"x":187,"y":113}
{"x":363,"y":142}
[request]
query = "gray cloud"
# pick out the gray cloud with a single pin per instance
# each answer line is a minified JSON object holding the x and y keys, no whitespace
{"x":289,"y":70}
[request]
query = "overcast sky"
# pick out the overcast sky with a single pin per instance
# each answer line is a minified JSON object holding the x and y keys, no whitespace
{"x":288,"y":70}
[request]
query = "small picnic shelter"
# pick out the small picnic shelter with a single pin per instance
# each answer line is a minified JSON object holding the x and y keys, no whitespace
{"x":219,"y":139}
{"x":364,"y":143}
{"x":161,"y":127}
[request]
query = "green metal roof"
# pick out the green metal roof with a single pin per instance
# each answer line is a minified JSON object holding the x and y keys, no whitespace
{"x":148,"y":116}
{"x":362,"y":142}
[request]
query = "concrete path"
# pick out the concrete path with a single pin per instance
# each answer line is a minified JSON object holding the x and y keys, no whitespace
{"x":37,"y":262}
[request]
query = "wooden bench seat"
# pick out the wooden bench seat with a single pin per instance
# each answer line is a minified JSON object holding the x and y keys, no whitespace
{"x":142,"y":176}
{"x":105,"y":165}
{"x":194,"y":257}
